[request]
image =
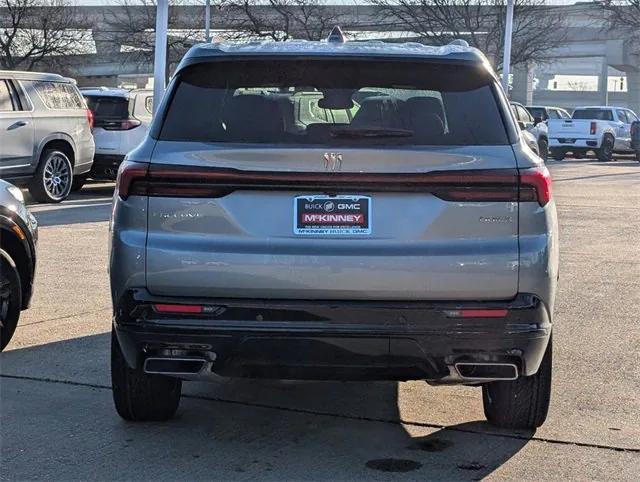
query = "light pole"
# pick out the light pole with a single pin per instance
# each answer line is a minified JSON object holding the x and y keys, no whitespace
{"x":207,"y":21}
{"x":160,"y":57}
{"x":508,"y":33}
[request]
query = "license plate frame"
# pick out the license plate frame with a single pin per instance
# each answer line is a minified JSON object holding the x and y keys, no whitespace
{"x":325,"y":215}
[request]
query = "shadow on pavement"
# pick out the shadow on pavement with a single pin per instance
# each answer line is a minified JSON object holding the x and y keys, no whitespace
{"x":235,"y":429}
{"x":92,"y":204}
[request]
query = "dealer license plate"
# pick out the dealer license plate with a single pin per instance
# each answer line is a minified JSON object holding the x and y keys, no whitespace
{"x":328,"y":215}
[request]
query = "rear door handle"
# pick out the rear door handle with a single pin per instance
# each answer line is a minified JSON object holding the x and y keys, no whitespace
{"x":15,"y":125}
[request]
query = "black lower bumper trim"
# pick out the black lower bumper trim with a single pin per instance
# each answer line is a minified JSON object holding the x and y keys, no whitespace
{"x":337,"y":339}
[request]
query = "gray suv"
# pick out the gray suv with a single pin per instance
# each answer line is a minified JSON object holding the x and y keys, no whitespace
{"x":330,"y":210}
{"x":45,"y":134}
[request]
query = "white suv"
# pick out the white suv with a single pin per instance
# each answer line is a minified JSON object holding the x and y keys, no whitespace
{"x":121,"y":121}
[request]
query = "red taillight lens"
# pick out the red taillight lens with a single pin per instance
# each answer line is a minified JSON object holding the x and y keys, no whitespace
{"x":120,"y":125}
{"x":129,"y":124}
{"x":594,"y":127}
{"x":497,"y":185}
{"x":131,"y":178}
{"x":535,"y":185}
{"x":90,"y":118}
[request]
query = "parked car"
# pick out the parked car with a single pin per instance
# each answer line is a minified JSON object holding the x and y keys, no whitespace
{"x":121,"y":120}
{"x":603,"y":130}
{"x":635,"y":139}
{"x":18,"y":238}
{"x":542,"y":113}
{"x":413,"y":236}
{"x":538,"y":129}
{"x":45,"y":134}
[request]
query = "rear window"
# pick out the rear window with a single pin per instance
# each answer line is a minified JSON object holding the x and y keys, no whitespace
{"x":538,"y":112}
{"x":58,"y":95}
{"x":598,"y":114}
{"x":108,"y":107}
{"x":334,"y":102}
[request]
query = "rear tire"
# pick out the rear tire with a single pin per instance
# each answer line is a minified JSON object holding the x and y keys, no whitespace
{"x":521,"y":403}
{"x":605,"y":153}
{"x":543,"y":149}
{"x":52,"y":180}
{"x":638,"y":156}
{"x":138,"y":396}
{"x":10,"y":299}
{"x":558,"y":154}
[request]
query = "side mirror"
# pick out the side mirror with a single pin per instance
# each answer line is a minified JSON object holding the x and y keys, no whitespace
{"x":522,"y":126}
{"x":537,"y":120}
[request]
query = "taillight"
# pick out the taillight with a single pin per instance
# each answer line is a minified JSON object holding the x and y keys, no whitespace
{"x":535,"y":185}
{"x":594,"y":128}
{"x":130,"y":176}
{"x":634,"y":128}
{"x":120,"y":125}
{"x":89,"y":118}
{"x":496,"y":185}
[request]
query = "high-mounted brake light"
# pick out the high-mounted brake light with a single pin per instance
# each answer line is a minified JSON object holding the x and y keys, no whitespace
{"x":593,"y":128}
{"x":535,"y":185}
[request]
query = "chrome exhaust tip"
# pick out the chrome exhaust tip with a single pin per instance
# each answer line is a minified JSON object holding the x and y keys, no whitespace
{"x":173,"y":366}
{"x":486,"y":371}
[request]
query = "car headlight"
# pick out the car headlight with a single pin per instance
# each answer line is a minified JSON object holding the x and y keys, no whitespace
{"x":16,"y":193}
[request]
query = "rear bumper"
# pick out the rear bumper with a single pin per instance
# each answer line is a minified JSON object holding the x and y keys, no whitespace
{"x":576,"y":143}
{"x":336,"y":339}
{"x":105,"y":166}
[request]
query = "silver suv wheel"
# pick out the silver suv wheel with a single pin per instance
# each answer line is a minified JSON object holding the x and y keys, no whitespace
{"x":54,"y":178}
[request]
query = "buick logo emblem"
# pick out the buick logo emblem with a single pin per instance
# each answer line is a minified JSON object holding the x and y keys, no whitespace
{"x":329,"y":206}
{"x":332,"y":161}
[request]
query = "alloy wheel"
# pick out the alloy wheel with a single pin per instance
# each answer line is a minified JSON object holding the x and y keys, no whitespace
{"x":57,"y":176}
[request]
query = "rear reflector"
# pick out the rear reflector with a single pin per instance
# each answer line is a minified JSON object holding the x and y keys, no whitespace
{"x":478,"y":313}
{"x":181,"y":309}
{"x":496,"y":185}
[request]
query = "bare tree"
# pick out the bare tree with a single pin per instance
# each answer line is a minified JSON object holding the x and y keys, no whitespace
{"x":278,"y":20}
{"x":536,"y":29}
{"x":624,"y":14}
{"x":131,"y":24}
{"x":32,"y":31}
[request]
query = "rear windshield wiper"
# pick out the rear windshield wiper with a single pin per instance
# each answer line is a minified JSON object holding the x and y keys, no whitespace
{"x":372,"y":132}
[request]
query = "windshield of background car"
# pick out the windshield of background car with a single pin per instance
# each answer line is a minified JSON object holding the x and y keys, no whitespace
{"x":599,"y":114}
{"x":333,"y":101}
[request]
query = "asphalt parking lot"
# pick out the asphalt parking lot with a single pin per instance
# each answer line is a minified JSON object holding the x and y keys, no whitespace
{"x":58,"y":421}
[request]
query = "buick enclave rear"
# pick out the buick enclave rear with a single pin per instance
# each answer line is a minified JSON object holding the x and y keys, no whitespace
{"x":327,"y":211}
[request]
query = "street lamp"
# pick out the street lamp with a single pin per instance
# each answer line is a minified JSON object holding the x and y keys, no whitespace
{"x":160,"y":57}
{"x":207,"y":21}
{"x":508,"y":33}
